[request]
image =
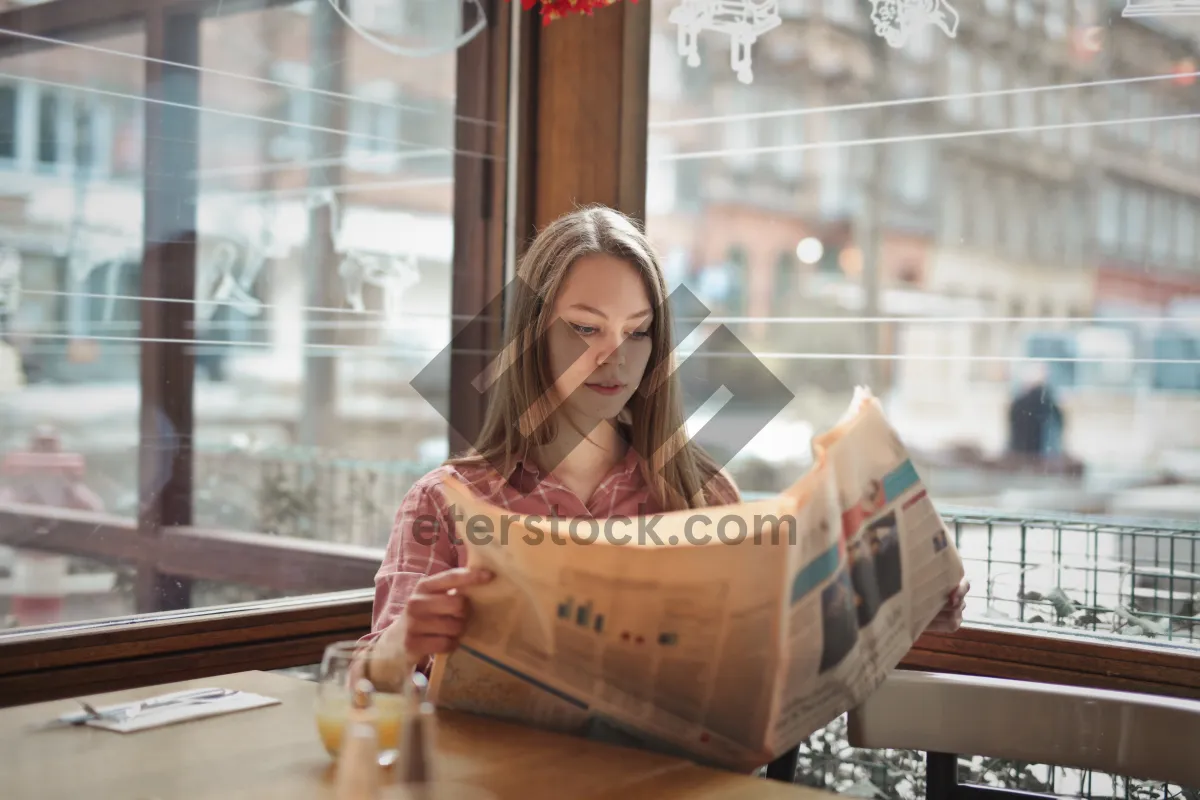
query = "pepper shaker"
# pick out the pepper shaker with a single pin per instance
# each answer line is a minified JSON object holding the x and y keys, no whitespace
{"x":416,"y":741}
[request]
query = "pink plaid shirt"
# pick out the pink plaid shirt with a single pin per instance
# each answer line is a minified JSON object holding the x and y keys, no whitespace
{"x":623,"y":492}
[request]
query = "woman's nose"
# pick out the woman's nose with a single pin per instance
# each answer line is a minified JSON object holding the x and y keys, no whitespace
{"x":611,"y":350}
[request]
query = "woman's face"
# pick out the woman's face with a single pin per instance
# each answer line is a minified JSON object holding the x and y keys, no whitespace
{"x":599,"y":340}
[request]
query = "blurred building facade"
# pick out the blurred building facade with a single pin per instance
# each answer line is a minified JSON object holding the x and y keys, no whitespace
{"x":1026,"y":214}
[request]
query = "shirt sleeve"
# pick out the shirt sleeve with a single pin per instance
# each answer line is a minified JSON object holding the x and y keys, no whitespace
{"x":421,"y":544}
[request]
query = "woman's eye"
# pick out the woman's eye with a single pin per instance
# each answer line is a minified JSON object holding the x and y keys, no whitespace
{"x":583,"y":330}
{"x":639,"y":334}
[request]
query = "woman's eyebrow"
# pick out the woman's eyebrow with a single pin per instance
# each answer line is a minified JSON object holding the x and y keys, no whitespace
{"x":584,"y":307}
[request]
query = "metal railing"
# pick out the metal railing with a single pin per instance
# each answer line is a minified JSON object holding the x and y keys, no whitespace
{"x":1109,"y":577}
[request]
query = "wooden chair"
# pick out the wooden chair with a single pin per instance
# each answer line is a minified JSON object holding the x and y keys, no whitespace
{"x":1126,"y":734}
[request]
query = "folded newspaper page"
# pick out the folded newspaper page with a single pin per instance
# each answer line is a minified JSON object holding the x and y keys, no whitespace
{"x":725,"y":634}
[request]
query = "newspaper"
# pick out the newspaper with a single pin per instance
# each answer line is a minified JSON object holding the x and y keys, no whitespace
{"x":726,"y":634}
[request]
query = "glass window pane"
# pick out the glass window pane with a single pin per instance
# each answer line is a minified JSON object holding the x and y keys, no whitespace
{"x":1162,"y":224}
{"x":991,"y":80}
{"x":49,"y":125}
{"x":1185,"y":232}
{"x":323,"y":270}
{"x":8,"y":120}
{"x":1024,"y":105}
{"x":1108,"y":218}
{"x":1135,"y":219}
{"x":324,"y":223}
{"x":70,"y":282}
{"x":1043,"y":243}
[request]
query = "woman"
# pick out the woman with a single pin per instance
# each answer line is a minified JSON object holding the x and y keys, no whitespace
{"x":586,"y":421}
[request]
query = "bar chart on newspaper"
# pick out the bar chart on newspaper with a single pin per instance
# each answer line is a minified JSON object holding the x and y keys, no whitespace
{"x":756,"y":624}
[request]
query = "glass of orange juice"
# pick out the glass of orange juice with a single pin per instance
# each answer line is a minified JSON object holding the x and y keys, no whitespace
{"x":341,"y":667}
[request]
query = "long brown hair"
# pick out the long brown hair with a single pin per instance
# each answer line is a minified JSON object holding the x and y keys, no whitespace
{"x":681,"y":474}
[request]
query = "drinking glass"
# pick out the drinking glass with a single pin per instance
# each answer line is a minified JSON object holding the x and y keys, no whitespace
{"x":341,"y":667}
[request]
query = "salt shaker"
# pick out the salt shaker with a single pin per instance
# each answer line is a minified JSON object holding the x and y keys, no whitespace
{"x":416,"y":741}
{"x":358,"y":759}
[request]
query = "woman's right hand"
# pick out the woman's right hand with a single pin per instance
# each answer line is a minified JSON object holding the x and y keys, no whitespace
{"x":436,"y":613}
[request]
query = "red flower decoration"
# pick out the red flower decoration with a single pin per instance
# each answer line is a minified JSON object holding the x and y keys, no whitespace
{"x":557,"y":9}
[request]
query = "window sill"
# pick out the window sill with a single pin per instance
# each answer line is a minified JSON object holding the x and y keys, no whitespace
{"x":51,"y":662}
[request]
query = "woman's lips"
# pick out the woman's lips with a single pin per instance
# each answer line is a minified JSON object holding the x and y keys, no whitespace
{"x":606,"y":388}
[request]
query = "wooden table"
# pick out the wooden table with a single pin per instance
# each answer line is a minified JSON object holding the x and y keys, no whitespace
{"x":274,"y":752}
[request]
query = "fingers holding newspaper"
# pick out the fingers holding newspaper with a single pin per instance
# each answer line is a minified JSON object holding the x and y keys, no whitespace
{"x":949,"y":619}
{"x":432,"y":622}
{"x":436,"y":614}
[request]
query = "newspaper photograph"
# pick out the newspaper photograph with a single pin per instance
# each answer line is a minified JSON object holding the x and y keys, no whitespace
{"x":724,"y":634}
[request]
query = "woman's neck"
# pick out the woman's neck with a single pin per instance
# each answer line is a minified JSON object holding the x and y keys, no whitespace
{"x":581,"y":463}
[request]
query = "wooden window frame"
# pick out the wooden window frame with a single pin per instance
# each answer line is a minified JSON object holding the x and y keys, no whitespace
{"x":576,"y":101}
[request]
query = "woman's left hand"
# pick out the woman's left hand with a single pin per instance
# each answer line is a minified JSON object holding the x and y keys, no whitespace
{"x":949,"y":619}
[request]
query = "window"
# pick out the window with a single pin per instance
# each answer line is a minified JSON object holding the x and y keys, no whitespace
{"x":1081,"y":132}
{"x":1179,"y":347}
{"x":789,"y":135}
{"x":985,"y":221}
{"x":662,"y":182}
{"x":8,"y":121}
{"x":49,"y":128}
{"x":323,"y":282}
{"x":1164,"y":135}
{"x":1189,"y":140}
{"x":912,"y":171}
{"x":1024,"y":110}
{"x":794,"y":8}
{"x":736,"y":271}
{"x":430,"y":20}
{"x":991,"y":79}
{"x":1054,"y":224}
{"x":952,"y":217}
{"x":69,"y":350}
{"x":1108,"y":218}
{"x":1051,"y":108}
{"x":840,"y":192}
{"x":382,"y":16}
{"x":289,"y":139}
{"x":959,"y":83}
{"x":1055,"y":20}
{"x":666,"y":81}
{"x":1185,"y":231}
{"x":689,"y":184}
{"x":741,"y":133}
{"x":1018,"y":218}
{"x":1141,"y":107}
{"x":375,"y":135}
{"x":920,"y":47}
{"x":1135,"y":219}
{"x":1006,"y":228}
{"x":1162,"y":224}
{"x":841,"y":11}
{"x":785,"y":284}
{"x":1119,"y":110}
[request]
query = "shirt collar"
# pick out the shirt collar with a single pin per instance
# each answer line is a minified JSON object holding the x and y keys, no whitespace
{"x":525,"y":463}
